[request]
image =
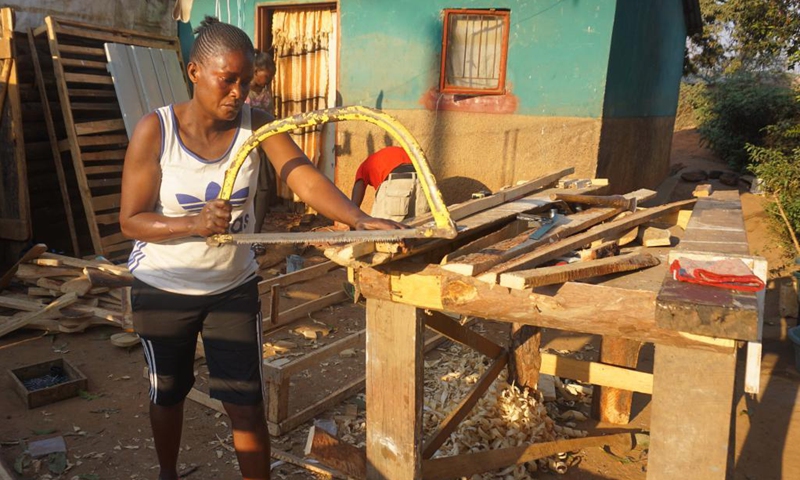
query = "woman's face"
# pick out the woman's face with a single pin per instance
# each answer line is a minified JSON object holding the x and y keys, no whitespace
{"x":222,"y":83}
{"x":263,"y":77}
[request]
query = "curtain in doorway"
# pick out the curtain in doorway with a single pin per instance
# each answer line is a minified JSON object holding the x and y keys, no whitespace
{"x":301,"y":40}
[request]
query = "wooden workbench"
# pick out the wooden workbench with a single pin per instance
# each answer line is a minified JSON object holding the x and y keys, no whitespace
{"x":694,"y":370}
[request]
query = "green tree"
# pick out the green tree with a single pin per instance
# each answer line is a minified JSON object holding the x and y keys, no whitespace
{"x":749,"y":34}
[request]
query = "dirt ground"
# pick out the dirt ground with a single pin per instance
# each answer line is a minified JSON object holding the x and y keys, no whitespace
{"x":108,"y":436}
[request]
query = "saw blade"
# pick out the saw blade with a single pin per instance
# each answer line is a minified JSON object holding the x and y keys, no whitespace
{"x":323,"y":237}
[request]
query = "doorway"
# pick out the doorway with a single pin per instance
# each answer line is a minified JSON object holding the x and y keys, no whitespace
{"x":304,"y":41}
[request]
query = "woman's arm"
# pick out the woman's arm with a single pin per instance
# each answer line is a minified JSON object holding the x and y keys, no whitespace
{"x":311,"y":186}
{"x":141,"y":181}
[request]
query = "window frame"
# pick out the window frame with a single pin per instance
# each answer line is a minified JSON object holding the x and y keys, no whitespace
{"x":444,"y":87}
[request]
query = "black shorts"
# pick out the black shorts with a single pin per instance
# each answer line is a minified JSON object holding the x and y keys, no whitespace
{"x":230,"y":322}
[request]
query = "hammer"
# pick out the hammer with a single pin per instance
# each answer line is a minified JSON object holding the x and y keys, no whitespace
{"x":615,"y":201}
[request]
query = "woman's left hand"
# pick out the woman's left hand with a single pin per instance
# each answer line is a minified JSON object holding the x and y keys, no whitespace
{"x":372,"y":223}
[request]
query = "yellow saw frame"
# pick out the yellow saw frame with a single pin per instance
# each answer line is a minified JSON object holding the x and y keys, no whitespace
{"x":442,"y":226}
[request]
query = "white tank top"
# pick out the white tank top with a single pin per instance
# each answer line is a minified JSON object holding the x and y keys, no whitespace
{"x":188,"y":265}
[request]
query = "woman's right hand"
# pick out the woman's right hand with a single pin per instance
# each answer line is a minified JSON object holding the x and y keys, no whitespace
{"x":214,"y":218}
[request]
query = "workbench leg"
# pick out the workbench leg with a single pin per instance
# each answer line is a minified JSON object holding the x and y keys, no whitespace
{"x":526,"y":359}
{"x":691,"y":416}
{"x":277,"y":404}
{"x":394,"y":391}
{"x":613,"y":405}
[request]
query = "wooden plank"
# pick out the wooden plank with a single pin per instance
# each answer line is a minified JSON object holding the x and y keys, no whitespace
{"x":462,"y":334}
{"x":78,"y":50}
{"x":301,"y":275}
{"x":303,"y":310}
{"x":100,"y":126}
{"x":102,"y":140}
{"x":464,"y":407}
{"x":704,"y":381}
{"x":115,"y":239}
{"x":525,"y":357}
{"x":613,"y":405}
{"x":93,"y":33}
{"x":311,"y":411}
{"x":16,"y":225}
{"x":623,"y":313}
{"x":313,"y":358}
{"x":95,"y":107}
{"x":104,"y":155}
{"x":474,"y":463}
{"x":394,"y":364}
{"x":491,"y":256}
{"x":79,"y":263}
{"x":556,"y":249}
{"x":511,"y":230}
{"x":103,"y":169}
{"x":597,"y":373}
{"x":34,"y":272}
{"x":78,"y":62}
{"x":106,"y":202}
{"x":22,"y":321}
{"x":105,"y":182}
{"x":56,"y":152}
{"x":334,"y":453}
{"x":88,"y":78}
{"x":125,"y":33}
{"x":538,"y":277}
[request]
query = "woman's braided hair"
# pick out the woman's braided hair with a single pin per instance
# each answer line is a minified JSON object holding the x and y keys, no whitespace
{"x":215,"y":38}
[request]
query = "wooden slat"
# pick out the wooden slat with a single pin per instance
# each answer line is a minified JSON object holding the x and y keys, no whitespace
{"x":462,"y":334}
{"x":313,"y":358}
{"x":107,"y":218}
{"x":100,"y":126}
{"x":104,"y":182}
{"x":101,"y":140}
{"x":115,"y":239}
{"x":95,"y":107}
{"x":22,"y":321}
{"x":303,"y":310}
{"x":79,"y":263}
{"x":91,"y":92}
{"x":554,"y":250}
{"x":88,"y":78}
{"x":78,"y":50}
{"x":301,"y":275}
{"x":56,"y":151}
{"x":103,"y":169}
{"x":167,"y":40}
{"x":104,"y":155}
{"x":94,"y":34}
{"x":106,"y":202}
{"x":474,"y":463}
{"x":76,"y":62}
{"x":537,"y":277}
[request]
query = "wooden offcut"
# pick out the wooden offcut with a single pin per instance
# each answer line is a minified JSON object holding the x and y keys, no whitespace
{"x":334,"y":453}
{"x":538,"y":277}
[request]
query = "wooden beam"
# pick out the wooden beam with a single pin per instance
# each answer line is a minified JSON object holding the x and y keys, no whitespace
{"x":525,"y":359}
{"x":462,"y":334}
{"x":554,"y":250}
{"x":511,"y":230}
{"x":301,"y":275}
{"x":597,"y":373}
{"x":464,"y":407}
{"x":394,"y":431}
{"x":538,"y":277}
{"x":623,"y":312}
{"x":301,"y":311}
{"x":24,"y":320}
{"x":692,"y":408}
{"x":613,"y":405}
{"x":32,"y":253}
{"x":475,"y":463}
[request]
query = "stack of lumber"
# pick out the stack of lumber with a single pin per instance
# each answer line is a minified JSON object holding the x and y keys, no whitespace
{"x":497,"y":245}
{"x":57,"y":293}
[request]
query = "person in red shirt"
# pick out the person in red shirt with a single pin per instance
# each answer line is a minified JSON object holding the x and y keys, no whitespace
{"x":398,"y":194}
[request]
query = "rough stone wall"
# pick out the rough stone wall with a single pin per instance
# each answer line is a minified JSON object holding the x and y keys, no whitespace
{"x":151,"y":16}
{"x":470,"y":152}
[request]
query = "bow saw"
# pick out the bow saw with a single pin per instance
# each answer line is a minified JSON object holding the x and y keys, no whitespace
{"x":441,"y":227}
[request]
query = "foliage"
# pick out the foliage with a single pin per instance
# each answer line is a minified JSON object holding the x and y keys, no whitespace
{"x":734,"y":111}
{"x":778,"y":164}
{"x":749,"y":34}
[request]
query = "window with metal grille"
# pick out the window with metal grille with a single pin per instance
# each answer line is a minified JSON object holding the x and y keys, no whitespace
{"x":474,"y":51}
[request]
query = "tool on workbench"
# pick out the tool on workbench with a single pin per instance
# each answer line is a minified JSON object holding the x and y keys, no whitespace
{"x":544,"y":223}
{"x":616,"y":201}
{"x":442,"y":227}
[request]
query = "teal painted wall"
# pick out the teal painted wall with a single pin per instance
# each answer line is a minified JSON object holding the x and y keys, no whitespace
{"x":243,"y":17}
{"x":646,"y":62}
{"x":557,"y":62}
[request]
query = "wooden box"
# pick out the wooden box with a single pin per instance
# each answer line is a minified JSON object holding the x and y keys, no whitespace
{"x":76,"y":382}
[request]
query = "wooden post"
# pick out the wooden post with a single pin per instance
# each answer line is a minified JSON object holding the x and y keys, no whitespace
{"x":613,"y":405}
{"x":525,"y":360}
{"x":394,"y":391}
{"x":691,"y":416}
{"x":278,"y":403}
{"x":275,"y":298}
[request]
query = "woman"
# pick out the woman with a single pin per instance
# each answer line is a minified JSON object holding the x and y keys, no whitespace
{"x":173,"y":169}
